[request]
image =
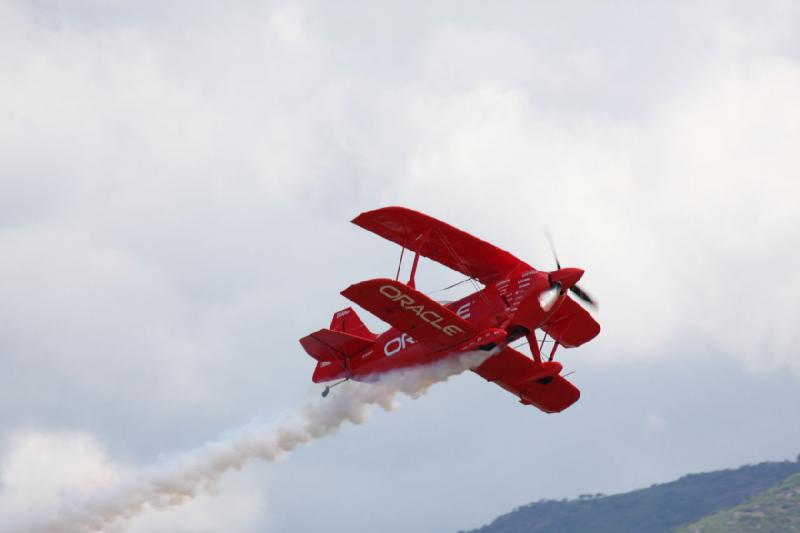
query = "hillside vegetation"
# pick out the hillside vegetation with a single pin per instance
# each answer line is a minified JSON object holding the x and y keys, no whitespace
{"x":776,"y":510}
{"x":659,"y":509}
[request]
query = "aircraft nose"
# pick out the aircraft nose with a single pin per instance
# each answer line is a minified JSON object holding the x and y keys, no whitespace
{"x":566,"y":277}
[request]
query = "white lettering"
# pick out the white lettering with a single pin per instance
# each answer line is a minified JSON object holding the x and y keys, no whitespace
{"x":390,"y":292}
{"x":432,"y":321}
{"x":397,"y":344}
{"x":452,"y":330}
{"x":431,"y":317}
{"x":393,"y":346}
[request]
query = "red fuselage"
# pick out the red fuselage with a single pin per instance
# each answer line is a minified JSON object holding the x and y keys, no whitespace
{"x":510,"y":305}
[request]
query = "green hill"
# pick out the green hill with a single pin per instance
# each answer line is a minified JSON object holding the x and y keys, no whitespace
{"x":660,"y":508}
{"x":776,"y":510}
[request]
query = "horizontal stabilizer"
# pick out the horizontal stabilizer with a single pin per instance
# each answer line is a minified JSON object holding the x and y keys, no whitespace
{"x":327,"y":345}
{"x":333,"y":350}
{"x":412,"y":312}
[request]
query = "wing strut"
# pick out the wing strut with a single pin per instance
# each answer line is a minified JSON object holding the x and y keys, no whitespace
{"x":422,"y":239}
{"x":556,"y":344}
{"x":535,"y":349}
{"x":399,"y":264}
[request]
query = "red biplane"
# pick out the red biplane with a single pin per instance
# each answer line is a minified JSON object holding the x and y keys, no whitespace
{"x":516,"y":301}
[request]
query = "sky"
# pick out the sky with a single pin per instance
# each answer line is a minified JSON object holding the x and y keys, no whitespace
{"x":176,"y":185}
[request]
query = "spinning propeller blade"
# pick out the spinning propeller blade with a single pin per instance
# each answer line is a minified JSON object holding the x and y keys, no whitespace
{"x":547,"y":296}
{"x":552,"y":247}
{"x":583,"y":295}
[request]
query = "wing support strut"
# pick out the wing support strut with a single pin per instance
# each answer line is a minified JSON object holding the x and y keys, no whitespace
{"x":421,"y":242}
{"x":535,"y":350}
{"x":553,"y":351}
{"x":537,"y":347}
{"x":400,"y":264}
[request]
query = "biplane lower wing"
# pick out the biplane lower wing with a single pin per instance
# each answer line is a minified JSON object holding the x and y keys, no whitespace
{"x":552,"y":397}
{"x":540,"y":386}
{"x":571,"y":325}
{"x":410,"y":311}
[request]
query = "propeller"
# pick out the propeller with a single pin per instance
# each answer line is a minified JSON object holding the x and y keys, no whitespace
{"x":548,"y":297}
{"x":583,"y":295}
{"x":552,"y":247}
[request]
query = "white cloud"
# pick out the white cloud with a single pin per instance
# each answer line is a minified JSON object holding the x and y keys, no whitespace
{"x":41,"y":471}
{"x":175,"y":186}
{"x":655,"y":423}
{"x":723,"y":202}
{"x":37,"y":468}
{"x":289,"y":24}
{"x":136,"y":224}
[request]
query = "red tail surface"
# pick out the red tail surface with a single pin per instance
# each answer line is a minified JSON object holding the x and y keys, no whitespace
{"x":334,"y":348}
{"x":347,"y":321}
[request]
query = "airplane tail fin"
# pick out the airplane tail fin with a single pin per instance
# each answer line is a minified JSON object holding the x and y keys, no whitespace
{"x":347,"y":321}
{"x":335,"y":347}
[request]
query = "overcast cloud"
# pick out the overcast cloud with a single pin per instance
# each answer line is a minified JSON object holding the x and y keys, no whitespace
{"x":175,"y":189}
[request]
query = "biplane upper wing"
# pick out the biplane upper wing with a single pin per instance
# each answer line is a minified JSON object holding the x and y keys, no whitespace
{"x":534,"y":385}
{"x":412,"y":312}
{"x":571,"y":325}
{"x":440,"y":242}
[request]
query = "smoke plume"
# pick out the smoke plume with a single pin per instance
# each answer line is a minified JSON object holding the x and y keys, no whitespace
{"x":195,"y":472}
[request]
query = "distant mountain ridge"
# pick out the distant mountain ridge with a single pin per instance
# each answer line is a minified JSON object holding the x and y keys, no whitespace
{"x":660,"y":508}
{"x":777,"y":509}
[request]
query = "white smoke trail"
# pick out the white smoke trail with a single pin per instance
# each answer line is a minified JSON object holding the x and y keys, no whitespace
{"x":197,"y":471}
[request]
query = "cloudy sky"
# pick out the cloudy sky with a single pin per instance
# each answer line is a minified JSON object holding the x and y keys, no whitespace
{"x":176,"y":183}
